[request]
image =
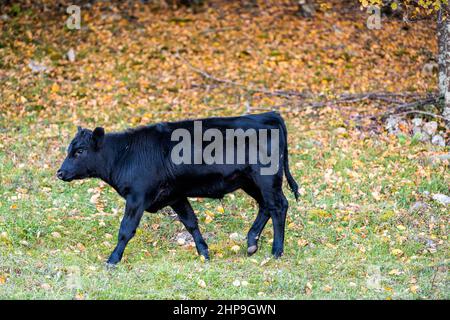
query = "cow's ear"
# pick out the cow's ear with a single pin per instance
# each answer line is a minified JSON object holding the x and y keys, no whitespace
{"x":79,"y":129}
{"x":98,"y":136}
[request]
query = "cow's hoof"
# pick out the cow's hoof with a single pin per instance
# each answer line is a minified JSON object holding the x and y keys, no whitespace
{"x":277,"y":254}
{"x":252,"y":249}
{"x":110,"y":266}
{"x":204,"y":256}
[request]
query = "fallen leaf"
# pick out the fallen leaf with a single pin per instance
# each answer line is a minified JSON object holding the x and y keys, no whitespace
{"x":327,"y":288}
{"x":265,"y":261}
{"x":46,"y":286}
{"x":55,"y":88}
{"x":302,"y":242}
{"x":201,"y":283}
{"x":395,"y":272}
{"x":208,"y":219}
{"x":308,"y":288}
{"x":414,"y":288}
{"x":235,"y":248}
{"x":81,"y":247}
{"x":397,"y":252}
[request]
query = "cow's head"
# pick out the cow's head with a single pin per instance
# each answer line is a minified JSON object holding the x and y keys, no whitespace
{"x":82,"y":155}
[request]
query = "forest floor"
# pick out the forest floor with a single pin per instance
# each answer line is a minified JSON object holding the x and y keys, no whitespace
{"x":365,"y":226}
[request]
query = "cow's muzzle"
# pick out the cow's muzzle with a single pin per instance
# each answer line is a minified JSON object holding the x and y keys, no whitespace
{"x":62,"y":175}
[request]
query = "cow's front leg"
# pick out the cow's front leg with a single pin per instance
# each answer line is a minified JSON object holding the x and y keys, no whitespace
{"x":133,"y":213}
{"x":187,"y":216}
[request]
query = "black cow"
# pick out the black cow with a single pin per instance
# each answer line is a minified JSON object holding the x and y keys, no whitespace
{"x":138,"y":164}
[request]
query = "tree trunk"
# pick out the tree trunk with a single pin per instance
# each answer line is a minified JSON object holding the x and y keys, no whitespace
{"x":447,"y":58}
{"x":443,"y":33}
{"x":442,"y":52}
{"x":306,"y":8}
{"x":443,"y":36}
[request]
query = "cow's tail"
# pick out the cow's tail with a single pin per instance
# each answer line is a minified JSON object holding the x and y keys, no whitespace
{"x":290,"y":179}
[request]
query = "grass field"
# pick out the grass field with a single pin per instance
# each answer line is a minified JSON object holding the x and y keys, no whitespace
{"x":352,"y":235}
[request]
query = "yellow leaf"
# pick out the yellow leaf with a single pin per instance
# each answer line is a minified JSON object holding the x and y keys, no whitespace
{"x":79,"y":296}
{"x":395,"y":272}
{"x":55,"y":88}
{"x":397,"y":252}
{"x":388,"y":215}
{"x":208,"y":219}
{"x":319,"y":213}
{"x":327,"y":288}
{"x":235,"y":248}
{"x":330,"y":245}
{"x":302,"y":242}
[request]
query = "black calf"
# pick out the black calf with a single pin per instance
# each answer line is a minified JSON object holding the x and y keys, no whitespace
{"x":139,"y":164}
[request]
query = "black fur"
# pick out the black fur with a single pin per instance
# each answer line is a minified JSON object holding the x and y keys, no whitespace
{"x":137,"y":164}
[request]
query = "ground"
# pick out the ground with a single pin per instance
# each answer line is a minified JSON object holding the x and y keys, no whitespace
{"x":365,"y":225}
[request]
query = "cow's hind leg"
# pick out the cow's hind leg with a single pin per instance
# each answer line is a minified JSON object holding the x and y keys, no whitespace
{"x":255,"y":231}
{"x":277,"y":209}
{"x":187,"y":216}
{"x":263,"y":216}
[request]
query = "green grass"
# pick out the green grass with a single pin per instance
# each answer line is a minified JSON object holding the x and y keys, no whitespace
{"x":351,"y":235}
{"x":52,"y":233}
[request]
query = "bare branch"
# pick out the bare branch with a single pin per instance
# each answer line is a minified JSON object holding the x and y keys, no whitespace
{"x":206,"y":75}
{"x":425,"y":113}
{"x":345,"y":98}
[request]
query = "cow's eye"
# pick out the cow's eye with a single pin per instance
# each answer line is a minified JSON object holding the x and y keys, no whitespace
{"x":78,"y":152}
